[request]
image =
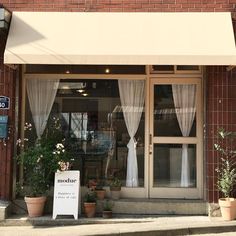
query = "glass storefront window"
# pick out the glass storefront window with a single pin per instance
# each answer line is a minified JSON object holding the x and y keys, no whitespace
{"x":91,"y":121}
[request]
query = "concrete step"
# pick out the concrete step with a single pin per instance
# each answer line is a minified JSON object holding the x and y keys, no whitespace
{"x":4,"y":210}
{"x":158,"y":207}
{"x":137,"y":207}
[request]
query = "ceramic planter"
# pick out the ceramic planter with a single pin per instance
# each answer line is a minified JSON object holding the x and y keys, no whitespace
{"x":115,"y":193}
{"x":100,"y":194}
{"x":35,"y":205}
{"x":89,"y":209}
{"x":228,"y":208}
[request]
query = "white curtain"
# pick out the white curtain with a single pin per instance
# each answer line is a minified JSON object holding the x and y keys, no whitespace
{"x":41,"y":94}
{"x":185,"y":107}
{"x":132,"y":102}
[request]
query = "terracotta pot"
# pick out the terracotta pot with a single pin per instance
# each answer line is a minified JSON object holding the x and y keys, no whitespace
{"x":228,"y":208}
{"x":107,"y":214}
{"x":89,"y":209}
{"x":100,"y":194}
{"x":35,"y":205}
{"x":115,"y":193}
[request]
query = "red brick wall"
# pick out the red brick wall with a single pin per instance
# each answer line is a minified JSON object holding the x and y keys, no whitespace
{"x":121,"y":5}
{"x":7,"y":88}
{"x":221,"y":98}
{"x":220,"y":112}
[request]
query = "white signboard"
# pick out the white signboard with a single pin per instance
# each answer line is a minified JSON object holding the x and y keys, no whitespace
{"x":66,"y":193}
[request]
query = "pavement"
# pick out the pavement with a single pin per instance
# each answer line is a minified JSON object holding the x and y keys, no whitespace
{"x":119,"y":225}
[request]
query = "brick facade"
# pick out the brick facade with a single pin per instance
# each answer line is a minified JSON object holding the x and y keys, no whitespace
{"x":220,"y":112}
{"x":220,"y":84}
{"x":7,"y":88}
{"x":121,"y":5}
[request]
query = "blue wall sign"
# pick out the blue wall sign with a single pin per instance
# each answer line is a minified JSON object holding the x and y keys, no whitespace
{"x":4,"y":102}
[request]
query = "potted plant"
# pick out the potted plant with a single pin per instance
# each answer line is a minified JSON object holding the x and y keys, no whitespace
{"x":90,"y":203}
{"x":107,"y":209}
{"x":226,"y":174}
{"x":115,"y":188}
{"x":35,"y":177}
{"x":100,"y":191}
{"x":40,"y":161}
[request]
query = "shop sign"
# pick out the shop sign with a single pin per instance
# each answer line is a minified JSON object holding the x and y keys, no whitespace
{"x":4,"y":102}
{"x":66,"y":193}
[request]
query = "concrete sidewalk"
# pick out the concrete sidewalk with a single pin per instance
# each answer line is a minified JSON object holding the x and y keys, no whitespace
{"x":122,"y":225}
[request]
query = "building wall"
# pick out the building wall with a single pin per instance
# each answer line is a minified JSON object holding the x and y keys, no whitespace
{"x":220,"y":85}
{"x":7,"y":88}
{"x":121,"y":5}
{"x":220,"y":112}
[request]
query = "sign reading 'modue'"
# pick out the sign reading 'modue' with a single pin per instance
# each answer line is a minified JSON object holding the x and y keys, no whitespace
{"x":66,"y":193}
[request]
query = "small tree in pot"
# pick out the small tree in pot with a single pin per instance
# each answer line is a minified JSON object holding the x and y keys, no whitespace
{"x":41,"y":160}
{"x":40,"y":164}
{"x":226,"y":173}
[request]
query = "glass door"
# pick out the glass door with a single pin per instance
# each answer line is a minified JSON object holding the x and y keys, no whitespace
{"x":175,"y":142}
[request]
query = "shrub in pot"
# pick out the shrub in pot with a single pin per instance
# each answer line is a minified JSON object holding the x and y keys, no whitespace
{"x":40,"y":160}
{"x":107,"y":209}
{"x":115,"y":188}
{"x":90,"y":199}
{"x":226,"y":174}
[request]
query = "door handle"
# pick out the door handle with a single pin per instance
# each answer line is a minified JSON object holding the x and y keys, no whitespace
{"x":150,"y":144}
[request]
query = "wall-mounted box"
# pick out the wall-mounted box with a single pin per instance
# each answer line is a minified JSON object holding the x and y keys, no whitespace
{"x":3,"y":126}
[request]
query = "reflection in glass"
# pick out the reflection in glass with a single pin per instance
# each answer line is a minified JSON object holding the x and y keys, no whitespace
{"x":165,"y":119}
{"x":168,"y":166}
{"x":94,"y":129}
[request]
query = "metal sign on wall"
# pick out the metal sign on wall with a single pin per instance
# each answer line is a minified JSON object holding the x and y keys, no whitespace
{"x":66,"y":193}
{"x":4,"y":102}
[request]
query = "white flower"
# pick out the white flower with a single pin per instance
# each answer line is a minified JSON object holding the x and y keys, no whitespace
{"x":59,"y":146}
{"x":18,"y":141}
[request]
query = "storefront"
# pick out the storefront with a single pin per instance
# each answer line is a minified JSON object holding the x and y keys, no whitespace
{"x":119,"y":79}
{"x":90,"y":112}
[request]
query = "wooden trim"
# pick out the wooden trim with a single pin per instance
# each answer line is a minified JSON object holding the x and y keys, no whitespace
{"x":198,"y":140}
{"x":22,"y":132}
{"x":176,"y":140}
{"x":147,"y":128}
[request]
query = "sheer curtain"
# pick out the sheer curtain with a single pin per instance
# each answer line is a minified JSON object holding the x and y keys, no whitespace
{"x":185,"y":108}
{"x":41,"y":94}
{"x":132,"y":102}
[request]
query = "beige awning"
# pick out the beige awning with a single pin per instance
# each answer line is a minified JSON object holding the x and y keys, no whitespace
{"x":121,"y":38}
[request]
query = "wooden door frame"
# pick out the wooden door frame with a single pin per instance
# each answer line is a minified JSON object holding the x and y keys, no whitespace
{"x":191,"y":193}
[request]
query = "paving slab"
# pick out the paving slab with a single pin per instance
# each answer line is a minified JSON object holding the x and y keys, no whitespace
{"x":119,"y":225}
